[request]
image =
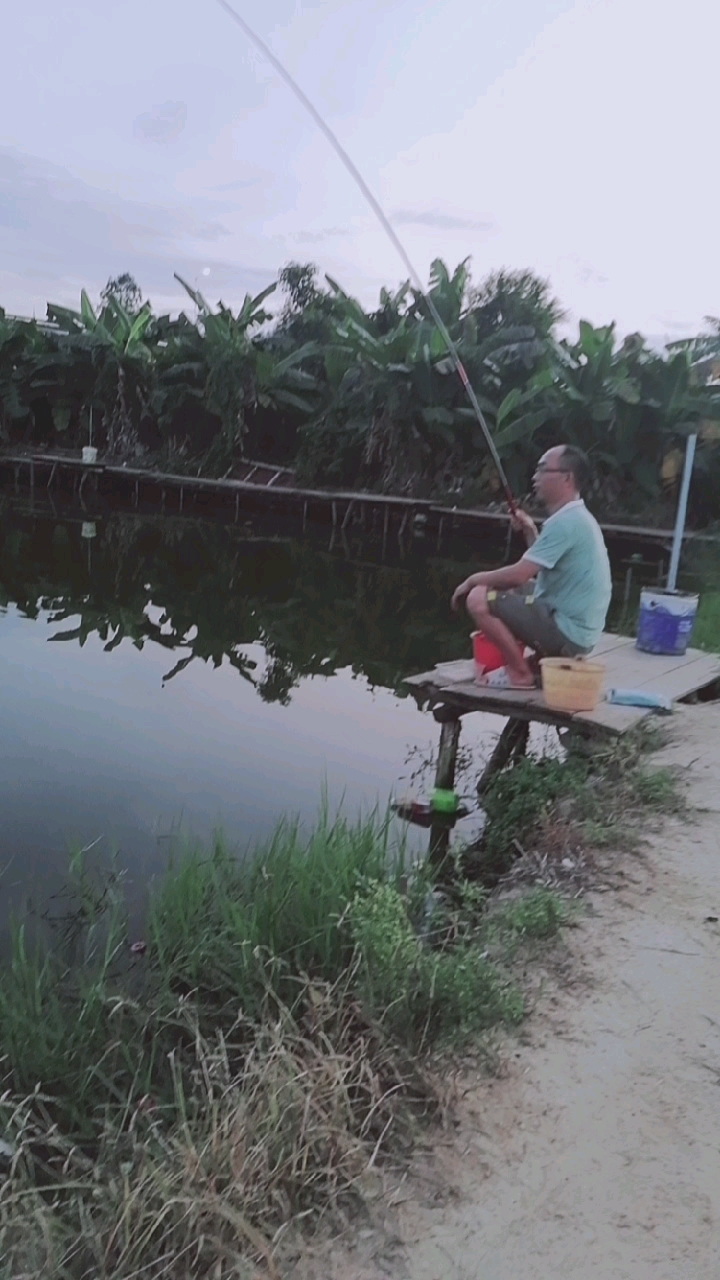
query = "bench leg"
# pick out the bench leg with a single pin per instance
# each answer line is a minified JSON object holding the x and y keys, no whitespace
{"x":511,"y":744}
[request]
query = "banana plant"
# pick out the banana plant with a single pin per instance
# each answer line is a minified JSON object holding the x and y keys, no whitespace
{"x":395,"y":406}
{"x":240,"y":373}
{"x":114,"y":340}
{"x":578,"y":390}
{"x":21,"y":344}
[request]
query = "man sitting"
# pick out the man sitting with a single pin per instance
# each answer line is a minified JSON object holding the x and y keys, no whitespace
{"x":565,"y":613}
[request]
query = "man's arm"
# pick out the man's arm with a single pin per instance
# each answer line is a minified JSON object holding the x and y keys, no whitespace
{"x":511,"y":575}
{"x":524,"y":524}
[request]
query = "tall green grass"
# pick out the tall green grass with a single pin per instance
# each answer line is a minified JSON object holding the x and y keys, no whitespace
{"x":706,"y":632}
{"x":164,"y":1109}
{"x":227,"y":928}
{"x":92,"y":1025}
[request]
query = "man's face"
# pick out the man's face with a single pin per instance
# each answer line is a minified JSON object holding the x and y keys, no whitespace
{"x":552,"y":482}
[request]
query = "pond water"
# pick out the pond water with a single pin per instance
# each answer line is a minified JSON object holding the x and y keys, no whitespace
{"x":179,"y":675}
{"x":165,"y":676}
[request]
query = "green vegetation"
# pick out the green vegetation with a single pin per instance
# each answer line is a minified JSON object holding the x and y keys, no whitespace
{"x":368,"y":399}
{"x":537,"y":914}
{"x":706,"y":632}
{"x":168,"y":1105}
{"x":520,"y":799}
{"x":425,"y":994}
{"x":601,"y":794}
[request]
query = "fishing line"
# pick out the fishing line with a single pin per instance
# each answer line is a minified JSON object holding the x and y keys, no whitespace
{"x":387,"y":227}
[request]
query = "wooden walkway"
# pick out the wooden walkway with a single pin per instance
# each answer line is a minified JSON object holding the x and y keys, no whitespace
{"x":275,"y":487}
{"x":452,"y":685}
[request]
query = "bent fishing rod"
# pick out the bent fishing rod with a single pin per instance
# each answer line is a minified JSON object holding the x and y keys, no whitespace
{"x":388,"y":228}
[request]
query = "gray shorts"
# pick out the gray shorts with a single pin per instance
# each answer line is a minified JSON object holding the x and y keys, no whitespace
{"x":532,"y":622}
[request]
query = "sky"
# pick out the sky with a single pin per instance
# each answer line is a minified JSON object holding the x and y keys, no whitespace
{"x":576,"y":138}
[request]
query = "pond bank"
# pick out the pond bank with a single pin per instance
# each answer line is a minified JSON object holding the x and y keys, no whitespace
{"x":271,"y":1043}
{"x":596,"y":1151}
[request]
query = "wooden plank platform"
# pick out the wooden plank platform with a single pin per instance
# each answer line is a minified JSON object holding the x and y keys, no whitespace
{"x":452,"y":684}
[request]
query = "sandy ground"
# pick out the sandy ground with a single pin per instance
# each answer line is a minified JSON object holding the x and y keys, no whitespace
{"x":596,"y":1154}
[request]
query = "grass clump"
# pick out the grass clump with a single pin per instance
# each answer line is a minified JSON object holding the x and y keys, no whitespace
{"x":600,"y":793}
{"x":621,"y":790}
{"x":268,"y":1122}
{"x":167,"y":1107}
{"x":519,"y":801}
{"x":538,"y":914}
{"x":225,"y":929}
{"x":706,"y":631}
{"x":423,"y":995}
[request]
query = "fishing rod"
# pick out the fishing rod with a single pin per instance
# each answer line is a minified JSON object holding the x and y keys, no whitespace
{"x":388,"y":228}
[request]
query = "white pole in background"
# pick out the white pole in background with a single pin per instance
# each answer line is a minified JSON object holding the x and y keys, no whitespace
{"x":681,"y":513}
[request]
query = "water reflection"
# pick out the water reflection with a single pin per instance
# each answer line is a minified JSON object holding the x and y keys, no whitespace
{"x":201,"y":675}
{"x":206,"y":591}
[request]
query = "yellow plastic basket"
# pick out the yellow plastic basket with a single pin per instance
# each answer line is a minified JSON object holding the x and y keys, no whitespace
{"x":571,"y":684}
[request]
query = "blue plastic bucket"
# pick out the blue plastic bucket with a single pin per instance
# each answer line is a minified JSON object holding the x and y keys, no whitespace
{"x":666,"y":621}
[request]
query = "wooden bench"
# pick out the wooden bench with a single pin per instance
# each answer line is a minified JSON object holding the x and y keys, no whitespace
{"x":450,"y":691}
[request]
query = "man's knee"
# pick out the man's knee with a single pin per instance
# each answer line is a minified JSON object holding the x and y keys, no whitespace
{"x":477,"y":602}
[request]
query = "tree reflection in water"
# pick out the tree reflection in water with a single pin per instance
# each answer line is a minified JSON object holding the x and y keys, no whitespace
{"x":208,"y":592}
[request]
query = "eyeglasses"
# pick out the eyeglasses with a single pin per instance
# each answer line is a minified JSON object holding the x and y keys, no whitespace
{"x":541,"y":469}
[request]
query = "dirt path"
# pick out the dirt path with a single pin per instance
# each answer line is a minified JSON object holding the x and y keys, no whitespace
{"x":598,"y":1157}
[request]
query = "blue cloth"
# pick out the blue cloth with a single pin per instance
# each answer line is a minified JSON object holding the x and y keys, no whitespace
{"x":639,"y":698}
{"x":574,"y":579}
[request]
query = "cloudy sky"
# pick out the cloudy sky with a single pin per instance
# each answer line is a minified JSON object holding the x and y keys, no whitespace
{"x":574,"y":137}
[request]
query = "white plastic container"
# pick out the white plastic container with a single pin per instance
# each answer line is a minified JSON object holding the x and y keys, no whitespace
{"x":89,"y":453}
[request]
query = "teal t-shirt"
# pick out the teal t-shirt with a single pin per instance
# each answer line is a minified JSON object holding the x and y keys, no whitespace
{"x":574,"y":579}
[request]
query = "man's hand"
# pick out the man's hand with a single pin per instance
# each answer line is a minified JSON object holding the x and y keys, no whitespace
{"x":524,"y":524}
{"x":512,"y":575}
{"x":460,"y":593}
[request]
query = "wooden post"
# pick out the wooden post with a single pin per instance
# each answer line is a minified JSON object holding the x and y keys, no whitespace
{"x":450,"y":723}
{"x":447,"y":753}
{"x":439,"y":843}
{"x":512,"y":743}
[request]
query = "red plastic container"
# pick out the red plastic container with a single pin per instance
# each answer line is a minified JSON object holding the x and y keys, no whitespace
{"x":487,"y":656}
